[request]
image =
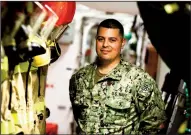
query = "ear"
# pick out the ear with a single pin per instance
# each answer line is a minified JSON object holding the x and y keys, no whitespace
{"x":123,"y":43}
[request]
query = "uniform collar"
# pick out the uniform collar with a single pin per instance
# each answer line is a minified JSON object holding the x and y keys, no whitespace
{"x":115,"y":74}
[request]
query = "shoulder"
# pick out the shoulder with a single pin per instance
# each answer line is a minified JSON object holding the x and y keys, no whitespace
{"x":139,"y":77}
{"x":82,"y":71}
{"x":139,"y":73}
{"x":134,"y":72}
{"x":131,"y":69}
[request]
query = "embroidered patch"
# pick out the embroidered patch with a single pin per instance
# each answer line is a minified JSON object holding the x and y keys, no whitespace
{"x":145,"y":88}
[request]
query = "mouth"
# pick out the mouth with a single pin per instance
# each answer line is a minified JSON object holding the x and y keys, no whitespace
{"x":105,"y":51}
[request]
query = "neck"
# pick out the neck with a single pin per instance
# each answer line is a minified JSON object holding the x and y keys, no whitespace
{"x":104,"y":67}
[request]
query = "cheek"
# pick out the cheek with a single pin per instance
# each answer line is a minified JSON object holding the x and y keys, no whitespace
{"x":98,"y":46}
{"x":116,"y":48}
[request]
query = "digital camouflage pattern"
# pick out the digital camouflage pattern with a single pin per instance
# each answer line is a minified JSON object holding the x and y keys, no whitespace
{"x":126,"y":101}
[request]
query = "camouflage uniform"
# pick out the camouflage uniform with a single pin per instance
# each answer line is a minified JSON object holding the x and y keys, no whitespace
{"x":126,"y":101}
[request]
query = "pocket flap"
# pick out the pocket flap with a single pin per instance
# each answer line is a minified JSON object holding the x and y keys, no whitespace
{"x":118,"y":103}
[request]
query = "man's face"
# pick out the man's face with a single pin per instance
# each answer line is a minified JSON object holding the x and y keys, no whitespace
{"x":109,"y":43}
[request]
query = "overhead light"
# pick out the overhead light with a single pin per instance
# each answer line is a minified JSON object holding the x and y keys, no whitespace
{"x":171,"y":8}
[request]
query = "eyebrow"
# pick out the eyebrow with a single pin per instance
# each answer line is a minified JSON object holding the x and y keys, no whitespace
{"x":104,"y":37}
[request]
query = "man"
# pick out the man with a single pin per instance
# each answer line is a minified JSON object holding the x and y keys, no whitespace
{"x":112,"y":96}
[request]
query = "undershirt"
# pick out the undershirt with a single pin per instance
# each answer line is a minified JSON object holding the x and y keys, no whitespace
{"x":98,"y":75}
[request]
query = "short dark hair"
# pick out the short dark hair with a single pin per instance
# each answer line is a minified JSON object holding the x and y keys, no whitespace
{"x":112,"y":23}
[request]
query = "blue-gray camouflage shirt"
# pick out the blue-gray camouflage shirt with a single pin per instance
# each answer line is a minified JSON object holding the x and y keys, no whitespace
{"x":126,"y":101}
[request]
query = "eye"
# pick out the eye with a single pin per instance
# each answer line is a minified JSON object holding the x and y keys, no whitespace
{"x":112,"y":40}
{"x":100,"y":39}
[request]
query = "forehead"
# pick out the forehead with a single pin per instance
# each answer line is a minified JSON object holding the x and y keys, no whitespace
{"x":108,"y":32}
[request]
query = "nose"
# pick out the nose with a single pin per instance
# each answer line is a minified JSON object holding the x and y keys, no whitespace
{"x":105,"y":44}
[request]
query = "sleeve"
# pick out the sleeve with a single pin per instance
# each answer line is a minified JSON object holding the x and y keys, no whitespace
{"x":72,"y":89}
{"x":72,"y":94}
{"x":150,"y":106}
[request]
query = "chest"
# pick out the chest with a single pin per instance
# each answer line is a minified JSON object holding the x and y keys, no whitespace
{"x":116,"y":94}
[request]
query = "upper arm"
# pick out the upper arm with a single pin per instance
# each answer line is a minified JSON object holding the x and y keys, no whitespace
{"x":72,"y":94}
{"x":150,"y":103}
{"x":148,"y":94}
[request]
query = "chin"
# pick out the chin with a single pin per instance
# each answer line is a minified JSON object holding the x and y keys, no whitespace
{"x":105,"y":58}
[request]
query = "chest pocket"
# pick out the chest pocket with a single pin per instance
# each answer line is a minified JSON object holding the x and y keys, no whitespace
{"x":118,"y":108}
{"x":118,"y":103}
